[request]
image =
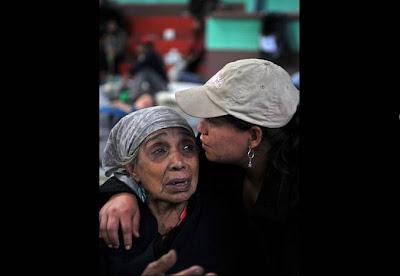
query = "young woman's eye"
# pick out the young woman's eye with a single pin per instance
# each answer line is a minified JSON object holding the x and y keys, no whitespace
{"x":209,"y":121}
{"x":213,"y":121}
{"x":218,"y":121}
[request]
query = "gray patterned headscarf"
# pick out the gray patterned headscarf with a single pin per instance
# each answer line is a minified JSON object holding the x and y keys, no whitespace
{"x":126,"y":136}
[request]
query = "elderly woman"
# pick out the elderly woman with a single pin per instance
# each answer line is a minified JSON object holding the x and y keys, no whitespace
{"x":154,"y":149}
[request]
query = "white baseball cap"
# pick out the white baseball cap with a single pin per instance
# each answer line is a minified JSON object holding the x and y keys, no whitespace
{"x":254,"y":90}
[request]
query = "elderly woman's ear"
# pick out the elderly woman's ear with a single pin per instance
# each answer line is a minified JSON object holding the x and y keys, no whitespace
{"x":130,"y":168}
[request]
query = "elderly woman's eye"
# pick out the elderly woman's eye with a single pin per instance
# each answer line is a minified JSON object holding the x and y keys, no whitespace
{"x":188,"y":147}
{"x":158,"y":151}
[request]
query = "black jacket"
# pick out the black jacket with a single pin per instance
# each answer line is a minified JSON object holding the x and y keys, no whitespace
{"x":206,"y":237}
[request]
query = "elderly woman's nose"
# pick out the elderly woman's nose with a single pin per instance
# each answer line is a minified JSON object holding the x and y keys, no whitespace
{"x":177,"y":160}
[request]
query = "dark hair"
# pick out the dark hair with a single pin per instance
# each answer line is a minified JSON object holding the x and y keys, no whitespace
{"x":283,"y":141}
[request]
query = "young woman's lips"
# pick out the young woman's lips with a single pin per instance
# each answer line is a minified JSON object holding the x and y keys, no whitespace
{"x":179,"y":184}
{"x":205,"y":146}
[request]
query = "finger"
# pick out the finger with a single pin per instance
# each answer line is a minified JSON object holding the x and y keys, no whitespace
{"x":193,"y":270}
{"x":161,"y":265}
{"x":210,"y":274}
{"x":126,"y":227}
{"x":136,"y":223}
{"x":103,"y":229}
{"x":112,"y":231}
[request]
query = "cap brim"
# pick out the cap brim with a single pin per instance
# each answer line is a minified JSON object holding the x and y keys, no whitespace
{"x":195,"y":102}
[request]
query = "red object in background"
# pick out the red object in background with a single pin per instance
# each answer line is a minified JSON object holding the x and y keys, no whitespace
{"x":150,"y":28}
{"x":146,"y":39}
{"x":155,"y":25}
{"x":123,"y":67}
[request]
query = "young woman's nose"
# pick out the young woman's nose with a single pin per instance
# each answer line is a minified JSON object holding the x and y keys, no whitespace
{"x":202,"y":127}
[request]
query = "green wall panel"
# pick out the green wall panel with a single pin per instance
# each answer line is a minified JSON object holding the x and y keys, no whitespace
{"x":233,"y":34}
{"x":269,"y":5}
{"x":281,"y":5}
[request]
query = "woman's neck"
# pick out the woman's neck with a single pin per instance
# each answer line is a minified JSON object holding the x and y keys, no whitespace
{"x":253,"y":181}
{"x":167,"y":214}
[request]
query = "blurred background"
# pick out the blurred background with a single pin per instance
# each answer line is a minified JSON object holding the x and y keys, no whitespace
{"x":150,"y":49}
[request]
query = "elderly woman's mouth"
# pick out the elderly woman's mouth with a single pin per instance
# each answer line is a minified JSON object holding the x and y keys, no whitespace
{"x":181,"y":184}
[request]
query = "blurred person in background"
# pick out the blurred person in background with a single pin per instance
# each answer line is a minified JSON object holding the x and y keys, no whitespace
{"x":112,"y":38}
{"x":148,"y":74}
{"x":186,"y":69}
{"x":112,"y":48}
{"x":274,"y":42}
{"x":110,"y":10}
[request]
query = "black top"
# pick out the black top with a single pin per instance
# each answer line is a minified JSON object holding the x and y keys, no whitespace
{"x":270,"y":236}
{"x":205,"y":237}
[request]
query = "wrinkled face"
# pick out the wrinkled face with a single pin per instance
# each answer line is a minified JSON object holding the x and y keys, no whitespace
{"x":168,"y":165}
{"x":222,"y":142}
